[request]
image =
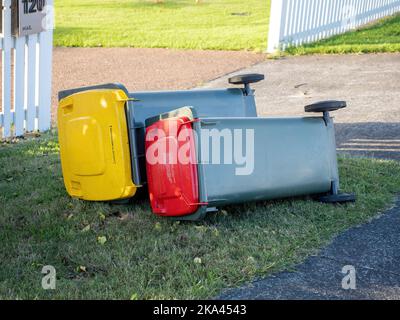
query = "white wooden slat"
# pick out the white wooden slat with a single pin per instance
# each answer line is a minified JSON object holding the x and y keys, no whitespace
{"x":45,"y":70}
{"x":293,"y":17}
{"x":284,"y":18}
{"x":306,"y":19}
{"x":302,"y":18}
{"x":290,"y":18}
{"x":19,"y":85}
{"x":6,"y":91}
{"x":317,"y":17}
{"x":358,"y":12}
{"x":291,"y":7}
{"x":334,"y":12}
{"x":324,"y":20}
{"x":362,"y":16}
{"x":311,"y":17}
{"x":31,"y":83}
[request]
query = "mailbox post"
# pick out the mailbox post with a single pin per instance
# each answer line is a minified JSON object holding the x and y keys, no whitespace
{"x":28,"y":17}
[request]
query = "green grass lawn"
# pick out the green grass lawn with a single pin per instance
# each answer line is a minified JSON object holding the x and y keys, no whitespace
{"x":383,"y":36}
{"x":183,"y":24}
{"x":211,"y":24}
{"x":145,"y":256}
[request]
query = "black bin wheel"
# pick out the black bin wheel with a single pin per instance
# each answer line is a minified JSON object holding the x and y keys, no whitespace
{"x":338,"y":198}
{"x":324,"y":106}
{"x":246,"y":78}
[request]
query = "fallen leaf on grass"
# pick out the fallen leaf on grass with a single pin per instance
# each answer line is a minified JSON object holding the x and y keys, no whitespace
{"x":102,"y":240}
{"x":86,"y":229}
{"x":134,"y":296}
{"x":224,"y":212}
{"x":251,"y":259}
{"x":202,"y":229}
{"x":215,"y":232}
{"x":81,"y":269}
{"x":157,"y":226}
{"x":102,"y":216}
{"x":197,"y":260}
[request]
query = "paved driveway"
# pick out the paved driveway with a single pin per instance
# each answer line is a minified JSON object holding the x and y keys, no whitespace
{"x":369,"y":126}
{"x":369,"y":83}
{"x":143,"y":69}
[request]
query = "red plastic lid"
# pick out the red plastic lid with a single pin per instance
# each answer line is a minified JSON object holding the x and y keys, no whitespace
{"x":171,"y":167}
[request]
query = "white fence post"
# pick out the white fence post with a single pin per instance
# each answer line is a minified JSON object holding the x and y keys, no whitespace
{"x":275,"y":25}
{"x":30,"y":108}
{"x":295,"y":22}
{"x":45,"y":70}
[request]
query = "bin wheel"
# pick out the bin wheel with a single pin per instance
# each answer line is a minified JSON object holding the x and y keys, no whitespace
{"x":246,"y":78}
{"x":338,"y":198}
{"x":325,"y":106}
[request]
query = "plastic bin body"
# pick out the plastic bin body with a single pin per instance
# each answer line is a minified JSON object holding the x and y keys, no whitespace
{"x":292,"y":157}
{"x":123,"y":169}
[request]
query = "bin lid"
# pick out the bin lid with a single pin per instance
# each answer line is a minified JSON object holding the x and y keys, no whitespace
{"x":94,"y":145}
{"x":171,"y":165}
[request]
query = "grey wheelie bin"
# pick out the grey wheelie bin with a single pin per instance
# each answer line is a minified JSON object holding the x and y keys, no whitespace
{"x":196,"y":164}
{"x":101,"y":131}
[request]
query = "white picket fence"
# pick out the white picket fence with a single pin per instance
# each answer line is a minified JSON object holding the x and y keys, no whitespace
{"x":295,"y":22}
{"x":26,"y":79}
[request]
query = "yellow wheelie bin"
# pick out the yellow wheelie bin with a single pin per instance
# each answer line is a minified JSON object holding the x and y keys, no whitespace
{"x":94,"y":145}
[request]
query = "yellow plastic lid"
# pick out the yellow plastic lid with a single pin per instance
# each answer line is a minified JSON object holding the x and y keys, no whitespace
{"x":94,"y":145}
